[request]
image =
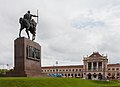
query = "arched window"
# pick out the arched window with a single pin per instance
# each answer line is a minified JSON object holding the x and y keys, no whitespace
{"x":75,"y":75}
{"x":117,"y":68}
{"x":66,"y":75}
{"x":76,"y":69}
{"x":118,"y":74}
{"x":94,"y":75}
{"x":113,"y":68}
{"x":72,"y":75}
{"x":78,"y":74}
{"x":109,"y":74}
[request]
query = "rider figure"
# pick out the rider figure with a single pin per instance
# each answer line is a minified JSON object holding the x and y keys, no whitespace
{"x":29,"y":16}
{"x":28,"y":23}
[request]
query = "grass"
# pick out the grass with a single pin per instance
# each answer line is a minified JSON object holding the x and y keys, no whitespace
{"x":55,"y":82}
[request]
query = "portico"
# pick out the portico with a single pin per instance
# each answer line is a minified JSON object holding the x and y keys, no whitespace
{"x":94,"y":66}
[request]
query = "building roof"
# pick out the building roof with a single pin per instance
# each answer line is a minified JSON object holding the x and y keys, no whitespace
{"x":114,"y":65}
{"x":69,"y":66}
{"x":95,"y":54}
{"x":76,"y":66}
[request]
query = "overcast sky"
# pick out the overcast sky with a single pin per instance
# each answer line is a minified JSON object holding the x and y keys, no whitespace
{"x":67,"y":29}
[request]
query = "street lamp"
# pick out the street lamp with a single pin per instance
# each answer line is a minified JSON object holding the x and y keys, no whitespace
{"x":56,"y":68}
{"x":7,"y":66}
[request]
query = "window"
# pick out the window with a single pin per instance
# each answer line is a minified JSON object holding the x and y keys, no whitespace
{"x":72,"y":75}
{"x":65,"y":74}
{"x":118,"y":74}
{"x":94,"y":65}
{"x":109,"y":74}
{"x":57,"y":70}
{"x":89,"y":65}
{"x":113,"y":68}
{"x":79,"y":69}
{"x":76,"y":69}
{"x":75,"y":75}
{"x":109,"y":69}
{"x":117,"y":68}
{"x":99,"y":65}
{"x":94,"y":75}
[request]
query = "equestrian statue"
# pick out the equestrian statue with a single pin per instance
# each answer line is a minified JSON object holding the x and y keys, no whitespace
{"x":29,"y":24}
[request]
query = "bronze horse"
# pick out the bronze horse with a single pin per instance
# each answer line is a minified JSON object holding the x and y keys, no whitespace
{"x":29,"y":27}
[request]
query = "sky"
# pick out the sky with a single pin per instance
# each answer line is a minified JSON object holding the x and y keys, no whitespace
{"x":67,"y":30}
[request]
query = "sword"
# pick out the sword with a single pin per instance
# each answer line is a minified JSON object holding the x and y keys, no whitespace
{"x":37,"y":15}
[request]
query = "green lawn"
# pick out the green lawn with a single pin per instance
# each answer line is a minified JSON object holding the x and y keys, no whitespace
{"x":55,"y":82}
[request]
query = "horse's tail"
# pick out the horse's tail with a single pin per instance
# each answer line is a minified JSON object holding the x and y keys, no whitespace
{"x":20,"y":20}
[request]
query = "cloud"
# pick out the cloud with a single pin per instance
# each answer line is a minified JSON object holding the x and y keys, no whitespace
{"x":87,"y":22}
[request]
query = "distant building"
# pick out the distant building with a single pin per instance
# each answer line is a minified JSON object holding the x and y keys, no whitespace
{"x":66,"y":71}
{"x":94,"y":66}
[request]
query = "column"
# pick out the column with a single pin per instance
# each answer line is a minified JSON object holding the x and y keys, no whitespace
{"x":85,"y":69}
{"x":67,"y":75}
{"x":92,"y":66}
{"x":97,"y":66}
{"x":102,"y":65}
{"x":86,"y":66}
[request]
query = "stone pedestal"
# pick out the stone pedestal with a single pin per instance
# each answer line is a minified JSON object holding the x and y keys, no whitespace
{"x":27,"y":58}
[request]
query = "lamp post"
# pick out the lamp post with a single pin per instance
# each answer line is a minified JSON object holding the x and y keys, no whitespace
{"x":56,"y":68}
{"x":7,"y":66}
